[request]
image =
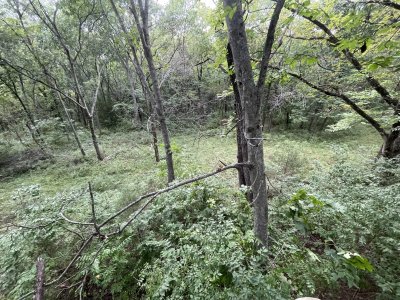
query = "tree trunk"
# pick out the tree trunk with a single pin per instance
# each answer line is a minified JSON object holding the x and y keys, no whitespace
{"x":242,"y":156}
{"x":78,"y":142}
{"x":266,"y":108}
{"x":39,"y":295}
{"x":145,"y":39}
{"x":287,"y":119}
{"x":251,"y":104}
{"x":99,"y":154}
{"x":153,"y":130}
{"x":136,"y":118}
{"x":142,"y":78}
{"x":391,"y":146}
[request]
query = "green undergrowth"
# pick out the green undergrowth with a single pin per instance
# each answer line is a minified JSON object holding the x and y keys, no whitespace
{"x":334,"y":228}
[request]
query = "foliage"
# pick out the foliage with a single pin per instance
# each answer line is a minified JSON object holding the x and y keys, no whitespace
{"x":333,"y":212}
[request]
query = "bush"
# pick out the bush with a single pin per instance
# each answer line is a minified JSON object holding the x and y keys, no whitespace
{"x":340,"y":230}
{"x":193,"y":243}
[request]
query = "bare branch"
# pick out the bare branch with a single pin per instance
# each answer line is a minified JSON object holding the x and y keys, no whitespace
{"x":374,"y":83}
{"x":172,"y":187}
{"x":74,"y":222}
{"x":93,"y":211}
{"x":26,"y":72}
{"x":71,"y":263}
{"x":313,"y":38}
{"x":383,"y":2}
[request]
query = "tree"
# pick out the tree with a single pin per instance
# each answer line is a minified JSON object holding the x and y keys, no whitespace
{"x":251,"y":97}
{"x":156,"y":99}
{"x":351,"y":42}
{"x":142,"y":24}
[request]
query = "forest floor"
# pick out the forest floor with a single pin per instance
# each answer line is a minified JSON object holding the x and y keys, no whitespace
{"x":295,"y":160}
{"x":129,"y":167}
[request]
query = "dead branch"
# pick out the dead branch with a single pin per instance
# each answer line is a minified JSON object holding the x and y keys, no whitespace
{"x":172,"y":187}
{"x":74,"y":222}
{"x":151,"y":195}
{"x":96,"y":228}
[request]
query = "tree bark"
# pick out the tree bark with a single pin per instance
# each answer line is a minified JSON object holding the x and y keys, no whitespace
{"x":99,"y":154}
{"x":251,"y":96}
{"x":40,"y":277}
{"x":391,"y":145}
{"x":250,"y":104}
{"x":242,"y":156}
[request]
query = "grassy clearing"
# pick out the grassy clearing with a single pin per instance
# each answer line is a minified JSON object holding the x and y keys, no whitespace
{"x":130,"y":170}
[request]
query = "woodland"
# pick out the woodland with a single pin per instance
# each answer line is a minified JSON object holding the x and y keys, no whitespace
{"x":199,"y":149}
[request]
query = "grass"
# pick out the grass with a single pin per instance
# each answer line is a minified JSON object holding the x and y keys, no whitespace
{"x":130,"y":169}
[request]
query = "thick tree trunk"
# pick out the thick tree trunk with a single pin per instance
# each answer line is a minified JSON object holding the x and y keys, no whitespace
{"x":391,"y":146}
{"x":251,"y":104}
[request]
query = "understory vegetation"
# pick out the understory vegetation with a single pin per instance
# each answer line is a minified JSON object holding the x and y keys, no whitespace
{"x":200,"y":149}
{"x":197,"y":241}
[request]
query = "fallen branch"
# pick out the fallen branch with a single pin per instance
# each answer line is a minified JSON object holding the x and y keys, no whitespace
{"x":74,"y":222}
{"x":172,"y":187}
{"x":151,"y":195}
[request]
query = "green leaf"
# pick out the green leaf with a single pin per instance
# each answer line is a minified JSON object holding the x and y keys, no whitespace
{"x":356,"y":260}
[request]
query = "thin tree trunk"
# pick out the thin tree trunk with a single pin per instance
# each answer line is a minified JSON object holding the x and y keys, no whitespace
{"x":266,"y":107}
{"x":287,"y":119}
{"x":145,"y":39}
{"x":136,"y":118}
{"x":153,"y":131}
{"x":99,"y":154}
{"x":242,"y":156}
{"x":30,"y":124}
{"x":78,"y":142}
{"x":142,"y":78}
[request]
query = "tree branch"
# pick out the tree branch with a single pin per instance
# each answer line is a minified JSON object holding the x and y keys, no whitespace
{"x":269,"y":42}
{"x":172,"y":187}
{"x":334,"y":41}
{"x":384,"y":2}
{"x":346,"y":99}
{"x":93,"y":211}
